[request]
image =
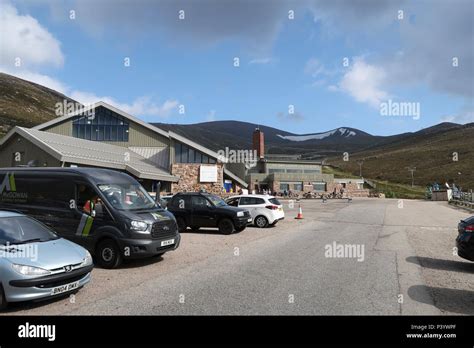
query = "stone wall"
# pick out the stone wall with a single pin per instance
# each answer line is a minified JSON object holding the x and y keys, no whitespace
{"x":188,"y":174}
{"x":351,"y":189}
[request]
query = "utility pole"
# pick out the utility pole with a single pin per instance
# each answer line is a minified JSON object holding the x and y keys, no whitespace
{"x":412,"y":170}
{"x":360,"y":163}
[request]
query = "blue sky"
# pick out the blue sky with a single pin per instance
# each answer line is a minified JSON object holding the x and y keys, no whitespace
{"x":284,"y":62}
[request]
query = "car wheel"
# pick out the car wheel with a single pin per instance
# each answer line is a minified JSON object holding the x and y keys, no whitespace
{"x":3,"y":300}
{"x":181,"y":224}
{"x":261,"y":221}
{"x":226,"y":226}
{"x":108,"y":254}
{"x":240,"y":229}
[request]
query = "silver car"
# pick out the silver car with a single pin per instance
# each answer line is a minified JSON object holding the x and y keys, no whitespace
{"x":35,"y":263}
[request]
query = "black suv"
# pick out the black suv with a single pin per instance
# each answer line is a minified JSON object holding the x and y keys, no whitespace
{"x":196,"y":209}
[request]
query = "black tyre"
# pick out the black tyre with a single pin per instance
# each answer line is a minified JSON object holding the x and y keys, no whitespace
{"x":240,"y":229}
{"x":195,"y":228}
{"x":3,"y":300}
{"x":181,"y":224}
{"x":261,"y":221}
{"x":108,"y":254}
{"x":226,"y":226}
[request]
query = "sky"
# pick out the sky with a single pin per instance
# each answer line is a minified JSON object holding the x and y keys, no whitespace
{"x":302,"y":66}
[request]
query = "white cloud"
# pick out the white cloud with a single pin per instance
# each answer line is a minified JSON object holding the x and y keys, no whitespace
{"x":25,"y":38}
{"x":143,"y":106}
{"x":466,"y":115}
{"x":364,"y":83}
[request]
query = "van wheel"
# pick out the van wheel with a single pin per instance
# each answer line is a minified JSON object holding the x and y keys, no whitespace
{"x":108,"y":254}
{"x":226,"y":226}
{"x":3,"y":300}
{"x":181,"y":224}
{"x":261,"y":221}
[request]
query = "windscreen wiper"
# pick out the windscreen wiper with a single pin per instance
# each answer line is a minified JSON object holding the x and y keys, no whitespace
{"x":26,"y":241}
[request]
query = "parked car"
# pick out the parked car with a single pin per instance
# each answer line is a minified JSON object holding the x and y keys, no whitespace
{"x":106,"y":211}
{"x":163,"y":200}
{"x":265,"y":210}
{"x":196,"y":210}
{"x":465,"y":239}
{"x":35,"y":263}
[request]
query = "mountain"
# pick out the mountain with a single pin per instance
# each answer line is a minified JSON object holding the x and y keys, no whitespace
{"x":238,"y":135}
{"x":26,"y":104}
{"x":430,"y":150}
{"x":442,"y":153}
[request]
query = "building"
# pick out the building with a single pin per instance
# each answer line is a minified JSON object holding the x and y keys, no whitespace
{"x":281,"y":172}
{"x":111,"y":138}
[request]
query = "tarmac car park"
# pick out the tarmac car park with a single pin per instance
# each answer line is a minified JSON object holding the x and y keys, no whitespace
{"x":35,"y":263}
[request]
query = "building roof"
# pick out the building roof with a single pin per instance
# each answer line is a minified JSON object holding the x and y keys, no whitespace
{"x":91,"y":153}
{"x":234,"y":177}
{"x":167,"y":134}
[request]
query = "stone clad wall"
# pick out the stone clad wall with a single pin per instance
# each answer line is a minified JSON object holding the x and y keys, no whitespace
{"x":188,"y":174}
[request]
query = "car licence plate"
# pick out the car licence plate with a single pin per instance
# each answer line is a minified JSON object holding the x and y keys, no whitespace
{"x":167,"y":242}
{"x":64,"y":288}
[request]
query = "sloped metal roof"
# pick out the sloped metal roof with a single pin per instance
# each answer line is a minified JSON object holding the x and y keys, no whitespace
{"x":92,"y":153}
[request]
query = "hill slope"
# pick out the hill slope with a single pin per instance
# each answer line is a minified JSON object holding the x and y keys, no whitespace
{"x":24,"y":103}
{"x":430,"y":150}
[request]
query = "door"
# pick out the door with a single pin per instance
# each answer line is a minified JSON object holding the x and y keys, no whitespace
{"x":203,"y":212}
{"x":91,"y":212}
{"x":254,"y":205}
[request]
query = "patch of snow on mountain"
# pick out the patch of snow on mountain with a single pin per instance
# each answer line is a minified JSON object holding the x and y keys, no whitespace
{"x":344,"y":132}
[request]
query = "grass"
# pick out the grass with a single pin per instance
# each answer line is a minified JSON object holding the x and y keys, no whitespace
{"x":389,"y":189}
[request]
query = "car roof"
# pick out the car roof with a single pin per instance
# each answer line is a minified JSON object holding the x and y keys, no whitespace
{"x":193,"y":194}
{"x":253,"y":195}
{"x":96,"y":175}
{"x":7,"y":214}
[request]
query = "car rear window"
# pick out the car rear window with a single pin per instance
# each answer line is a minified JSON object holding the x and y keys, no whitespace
{"x":274,"y":201}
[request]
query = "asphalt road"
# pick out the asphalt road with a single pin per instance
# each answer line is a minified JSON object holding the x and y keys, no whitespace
{"x":407,"y":267}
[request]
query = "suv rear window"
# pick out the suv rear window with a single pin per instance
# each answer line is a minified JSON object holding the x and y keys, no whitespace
{"x":274,"y":201}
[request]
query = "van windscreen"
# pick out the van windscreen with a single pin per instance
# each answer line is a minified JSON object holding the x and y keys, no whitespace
{"x":127,"y":196}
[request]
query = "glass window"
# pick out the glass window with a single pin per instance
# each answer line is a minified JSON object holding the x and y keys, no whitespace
{"x":198,"y":157}
{"x":319,"y":186}
{"x":190,"y":155}
{"x":233,"y":202}
{"x":275,"y":170}
{"x":298,"y":187}
{"x":104,"y":126}
{"x":308,"y":171}
{"x":205,"y":159}
{"x":23,"y":230}
{"x":200,"y":202}
{"x":284,"y":187}
{"x":212,"y":160}
{"x":126,"y":196}
{"x":294,"y":171}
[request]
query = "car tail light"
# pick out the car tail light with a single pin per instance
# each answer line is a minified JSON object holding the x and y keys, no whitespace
{"x":469,"y":228}
{"x":272,"y":207}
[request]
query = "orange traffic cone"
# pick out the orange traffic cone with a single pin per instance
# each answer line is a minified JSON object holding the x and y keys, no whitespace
{"x":300,"y":214}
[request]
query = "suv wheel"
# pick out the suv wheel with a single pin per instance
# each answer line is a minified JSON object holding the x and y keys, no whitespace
{"x":3,"y":300}
{"x":181,"y":224}
{"x":240,"y":229}
{"x":226,"y":226}
{"x":261,"y":221}
{"x":108,"y":254}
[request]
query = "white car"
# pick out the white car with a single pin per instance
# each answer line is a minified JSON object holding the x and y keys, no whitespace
{"x":265,"y":210}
